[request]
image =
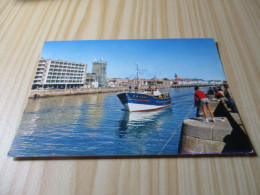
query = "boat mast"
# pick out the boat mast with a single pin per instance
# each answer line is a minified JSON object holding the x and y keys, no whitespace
{"x":155,"y":80}
{"x":137,"y":79}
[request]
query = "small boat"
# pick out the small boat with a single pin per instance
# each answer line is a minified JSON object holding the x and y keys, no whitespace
{"x":146,"y":101}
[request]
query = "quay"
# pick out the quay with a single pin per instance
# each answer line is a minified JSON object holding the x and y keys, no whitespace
{"x":82,"y":91}
{"x":67,"y":92}
{"x":226,"y":135}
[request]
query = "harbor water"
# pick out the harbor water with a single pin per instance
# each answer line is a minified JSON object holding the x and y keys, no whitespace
{"x":98,"y":125}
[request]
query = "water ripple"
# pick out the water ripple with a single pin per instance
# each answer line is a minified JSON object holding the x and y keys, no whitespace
{"x":90,"y":125}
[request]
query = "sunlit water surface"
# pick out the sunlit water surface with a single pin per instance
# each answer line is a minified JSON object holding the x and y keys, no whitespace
{"x":97,"y":125}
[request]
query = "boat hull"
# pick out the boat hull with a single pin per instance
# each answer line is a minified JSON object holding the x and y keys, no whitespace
{"x":135,"y":102}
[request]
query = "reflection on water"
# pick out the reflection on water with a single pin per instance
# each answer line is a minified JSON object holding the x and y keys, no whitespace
{"x":91,"y":125}
{"x":51,"y":113}
{"x":95,"y":111}
{"x":133,"y":123}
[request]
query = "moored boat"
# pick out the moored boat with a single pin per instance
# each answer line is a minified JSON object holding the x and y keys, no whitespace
{"x":151,"y":99}
{"x":147,"y":101}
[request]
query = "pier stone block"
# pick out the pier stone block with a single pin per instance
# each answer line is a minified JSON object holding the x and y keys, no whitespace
{"x":199,"y":137}
{"x":191,"y":145}
{"x":221,"y":130}
{"x":213,"y":146}
{"x":197,"y":129}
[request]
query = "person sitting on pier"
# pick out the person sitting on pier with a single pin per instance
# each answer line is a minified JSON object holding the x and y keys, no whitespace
{"x":202,"y":100}
{"x":228,"y":98}
{"x":219,"y":94}
{"x":227,"y":91}
{"x":230,"y":103}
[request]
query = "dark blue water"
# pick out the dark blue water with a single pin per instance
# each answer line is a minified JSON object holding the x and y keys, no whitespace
{"x":97,"y":125}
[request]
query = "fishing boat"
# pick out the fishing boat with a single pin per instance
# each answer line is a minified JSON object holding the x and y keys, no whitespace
{"x":151,"y":99}
{"x":154,"y":100}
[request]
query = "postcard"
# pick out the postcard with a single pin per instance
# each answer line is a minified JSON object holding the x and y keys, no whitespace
{"x":130,"y":98}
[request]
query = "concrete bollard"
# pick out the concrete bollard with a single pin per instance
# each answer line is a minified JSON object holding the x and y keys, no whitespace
{"x":201,"y":137}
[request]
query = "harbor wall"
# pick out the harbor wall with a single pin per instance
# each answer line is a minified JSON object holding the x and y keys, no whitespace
{"x":201,"y":137}
{"x":67,"y":92}
{"x":82,"y":91}
{"x":223,"y":136}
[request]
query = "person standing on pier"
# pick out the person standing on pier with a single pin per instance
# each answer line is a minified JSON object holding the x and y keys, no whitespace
{"x":202,"y":100}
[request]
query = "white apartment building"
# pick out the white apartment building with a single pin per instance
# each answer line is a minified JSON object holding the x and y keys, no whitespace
{"x":59,"y":74}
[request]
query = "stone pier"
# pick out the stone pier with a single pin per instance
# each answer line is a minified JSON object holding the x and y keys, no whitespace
{"x":202,"y":137}
{"x":226,"y":135}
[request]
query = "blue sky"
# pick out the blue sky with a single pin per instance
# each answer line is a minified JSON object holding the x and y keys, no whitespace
{"x":189,"y":58}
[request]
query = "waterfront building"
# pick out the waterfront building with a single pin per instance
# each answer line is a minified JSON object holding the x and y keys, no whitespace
{"x":91,"y":80}
{"x":59,"y":74}
{"x":100,"y":69}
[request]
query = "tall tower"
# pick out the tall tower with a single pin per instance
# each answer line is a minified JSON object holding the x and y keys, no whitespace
{"x":176,"y":76}
{"x":100,"y":70}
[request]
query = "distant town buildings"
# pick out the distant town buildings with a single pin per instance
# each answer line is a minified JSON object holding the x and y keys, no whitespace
{"x":216,"y":82}
{"x":100,"y":71}
{"x":59,"y":74}
{"x":64,"y":74}
{"x":185,"y":81}
{"x":119,"y":82}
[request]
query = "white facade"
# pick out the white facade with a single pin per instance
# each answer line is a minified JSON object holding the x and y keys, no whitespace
{"x":59,"y":73}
